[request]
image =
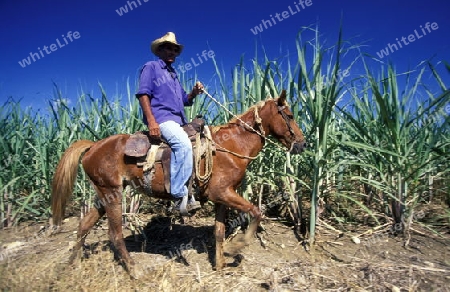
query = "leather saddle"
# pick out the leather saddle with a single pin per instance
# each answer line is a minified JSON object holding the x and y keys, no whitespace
{"x":140,"y":146}
{"x":139,"y":143}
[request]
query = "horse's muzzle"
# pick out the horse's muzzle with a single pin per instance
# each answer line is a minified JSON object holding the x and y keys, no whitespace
{"x":298,"y":147}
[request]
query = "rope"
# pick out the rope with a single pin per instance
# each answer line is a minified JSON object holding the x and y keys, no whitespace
{"x":207,"y":150}
{"x":199,"y":150}
{"x":237,"y":154}
{"x":257,"y":119}
{"x":228,"y":111}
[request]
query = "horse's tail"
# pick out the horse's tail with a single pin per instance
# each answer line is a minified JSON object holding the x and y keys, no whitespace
{"x":64,"y":178}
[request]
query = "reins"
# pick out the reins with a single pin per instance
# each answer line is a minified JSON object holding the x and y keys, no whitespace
{"x":236,"y":154}
{"x":257,"y":119}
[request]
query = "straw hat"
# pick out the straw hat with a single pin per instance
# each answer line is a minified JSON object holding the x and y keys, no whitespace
{"x":167,"y":38}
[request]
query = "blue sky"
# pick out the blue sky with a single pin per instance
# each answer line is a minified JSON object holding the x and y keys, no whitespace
{"x":109,"y":47}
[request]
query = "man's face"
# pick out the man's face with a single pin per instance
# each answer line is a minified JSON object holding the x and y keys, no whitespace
{"x":168,"y":52}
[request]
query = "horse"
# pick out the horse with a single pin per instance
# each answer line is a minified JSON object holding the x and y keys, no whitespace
{"x":109,"y":171}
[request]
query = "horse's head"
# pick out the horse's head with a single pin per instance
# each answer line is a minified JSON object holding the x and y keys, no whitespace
{"x":283,"y":127}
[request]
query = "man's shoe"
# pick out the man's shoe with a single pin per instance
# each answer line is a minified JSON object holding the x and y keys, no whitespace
{"x":179,"y":204}
{"x":184,"y":205}
{"x":192,"y":204}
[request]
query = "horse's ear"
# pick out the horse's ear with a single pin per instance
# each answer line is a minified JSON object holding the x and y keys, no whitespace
{"x":282,"y":98}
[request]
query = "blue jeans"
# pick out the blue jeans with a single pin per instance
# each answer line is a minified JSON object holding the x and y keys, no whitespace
{"x":181,"y":163}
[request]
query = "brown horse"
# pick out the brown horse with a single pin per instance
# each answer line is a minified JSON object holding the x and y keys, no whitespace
{"x":110,"y":171}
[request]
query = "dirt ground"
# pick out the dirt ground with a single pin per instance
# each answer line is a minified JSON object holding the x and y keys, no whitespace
{"x":171,"y":256}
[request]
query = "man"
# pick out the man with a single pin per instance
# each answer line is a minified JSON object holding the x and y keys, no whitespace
{"x":162,"y":100}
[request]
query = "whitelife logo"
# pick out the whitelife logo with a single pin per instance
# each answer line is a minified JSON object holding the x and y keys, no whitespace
{"x":131,"y":5}
{"x":265,"y":24}
{"x":407,"y":40}
{"x":33,"y":57}
{"x":205,"y":56}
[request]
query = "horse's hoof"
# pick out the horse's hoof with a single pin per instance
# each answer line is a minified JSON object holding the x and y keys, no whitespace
{"x":235,"y":246}
{"x":134,"y":273}
{"x":76,"y":255}
{"x":220,"y":265}
{"x":218,"y":268}
{"x":129,"y":268}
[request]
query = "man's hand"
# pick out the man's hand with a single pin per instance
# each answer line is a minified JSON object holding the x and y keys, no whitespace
{"x":154,"y":132}
{"x":197,"y":89}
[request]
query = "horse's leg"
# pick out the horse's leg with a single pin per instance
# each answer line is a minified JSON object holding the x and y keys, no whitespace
{"x":219,"y":232}
{"x":110,"y":198}
{"x":113,"y":209}
{"x":115,"y":233}
{"x":85,"y":226}
{"x":233,"y":200}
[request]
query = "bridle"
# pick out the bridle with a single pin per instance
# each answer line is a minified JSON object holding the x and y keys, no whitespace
{"x":287,"y":119}
{"x":258,"y":122}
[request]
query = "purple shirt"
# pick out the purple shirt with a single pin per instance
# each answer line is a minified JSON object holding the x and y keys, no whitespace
{"x":167,"y":97}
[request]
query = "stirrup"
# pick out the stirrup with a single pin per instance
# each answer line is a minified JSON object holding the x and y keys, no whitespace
{"x":185,"y":206}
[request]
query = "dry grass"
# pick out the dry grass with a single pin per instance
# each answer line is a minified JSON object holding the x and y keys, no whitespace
{"x":334,"y":264}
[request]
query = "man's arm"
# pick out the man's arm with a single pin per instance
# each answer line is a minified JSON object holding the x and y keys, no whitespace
{"x":153,"y":127}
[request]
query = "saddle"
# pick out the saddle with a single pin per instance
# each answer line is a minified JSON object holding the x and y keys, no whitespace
{"x":149,"y":152}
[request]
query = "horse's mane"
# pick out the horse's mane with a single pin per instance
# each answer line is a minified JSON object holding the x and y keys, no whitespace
{"x":251,"y":109}
{"x":243,"y":116}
